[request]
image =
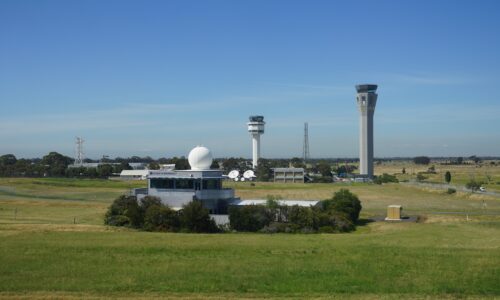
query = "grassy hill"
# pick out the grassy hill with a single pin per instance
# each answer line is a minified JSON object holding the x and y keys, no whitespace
{"x":53,"y":245}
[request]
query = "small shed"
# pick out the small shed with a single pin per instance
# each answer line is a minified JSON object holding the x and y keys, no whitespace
{"x":394,"y":213}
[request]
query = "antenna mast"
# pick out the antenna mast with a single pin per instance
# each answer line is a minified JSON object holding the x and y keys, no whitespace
{"x":79,"y":151}
{"x":305,"y":150}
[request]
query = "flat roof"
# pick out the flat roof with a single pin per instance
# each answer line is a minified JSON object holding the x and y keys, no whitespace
{"x":366,"y":88}
{"x":305,"y":203}
{"x":288,"y":169}
{"x":134,"y":172}
{"x":209,"y":174}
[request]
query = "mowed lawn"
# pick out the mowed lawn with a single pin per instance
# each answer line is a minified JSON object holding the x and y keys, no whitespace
{"x":55,"y":246}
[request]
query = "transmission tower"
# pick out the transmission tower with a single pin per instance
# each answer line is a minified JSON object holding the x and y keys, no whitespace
{"x":305,"y":151}
{"x":79,"y":151}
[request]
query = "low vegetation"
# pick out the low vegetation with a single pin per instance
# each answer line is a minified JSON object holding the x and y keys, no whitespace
{"x":337,"y":214}
{"x":385,"y":178}
{"x":151,"y":215}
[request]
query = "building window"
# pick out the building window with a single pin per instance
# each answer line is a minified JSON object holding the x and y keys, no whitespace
{"x":211,"y":184}
{"x":185,"y":184}
{"x":158,"y":183}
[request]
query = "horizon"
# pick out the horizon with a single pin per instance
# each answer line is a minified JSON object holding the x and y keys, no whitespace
{"x":158,"y":78}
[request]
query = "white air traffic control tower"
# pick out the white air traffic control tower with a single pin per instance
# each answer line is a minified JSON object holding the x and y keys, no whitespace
{"x":366,"y":99}
{"x":256,"y":128}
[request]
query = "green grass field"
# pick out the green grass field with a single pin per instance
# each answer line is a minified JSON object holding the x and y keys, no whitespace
{"x":460,"y":174}
{"x":53,"y":245}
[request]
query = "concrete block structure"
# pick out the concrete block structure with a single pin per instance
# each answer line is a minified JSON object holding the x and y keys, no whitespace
{"x":289,"y":175}
{"x":366,"y":99}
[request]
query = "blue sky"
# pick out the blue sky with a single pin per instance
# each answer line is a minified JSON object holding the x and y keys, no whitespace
{"x":159,"y":77}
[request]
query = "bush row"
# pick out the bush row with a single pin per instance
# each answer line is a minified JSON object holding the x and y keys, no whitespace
{"x":338,"y":214}
{"x":151,"y":215}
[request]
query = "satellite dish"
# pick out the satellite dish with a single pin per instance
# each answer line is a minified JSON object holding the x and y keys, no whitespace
{"x":236,"y":179}
{"x":233,"y":174}
{"x":242,"y":179}
{"x":249,"y":174}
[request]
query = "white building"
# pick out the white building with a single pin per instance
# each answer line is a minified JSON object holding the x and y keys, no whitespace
{"x":134,"y":174}
{"x":176,"y":188}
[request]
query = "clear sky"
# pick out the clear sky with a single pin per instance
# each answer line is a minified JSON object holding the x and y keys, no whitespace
{"x":159,"y":77}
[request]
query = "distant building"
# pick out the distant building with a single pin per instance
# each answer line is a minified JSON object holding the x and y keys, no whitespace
{"x":289,"y":175}
{"x":134,"y":174}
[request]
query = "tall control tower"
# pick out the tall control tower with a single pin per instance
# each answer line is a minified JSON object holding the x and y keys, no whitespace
{"x":366,"y":99}
{"x":256,"y":128}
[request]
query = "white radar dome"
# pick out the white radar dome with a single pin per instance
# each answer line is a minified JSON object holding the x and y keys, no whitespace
{"x":200,"y":158}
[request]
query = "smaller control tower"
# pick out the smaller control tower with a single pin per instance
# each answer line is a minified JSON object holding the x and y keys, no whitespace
{"x":256,"y":128}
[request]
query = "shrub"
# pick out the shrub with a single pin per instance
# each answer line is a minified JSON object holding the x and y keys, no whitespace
{"x":344,"y":201}
{"x":451,"y":191}
{"x":124,"y":211}
{"x":338,"y":214}
{"x":384,"y":178}
{"x":333,"y":221}
{"x":276,"y":227}
{"x":301,"y":217}
{"x":421,"y":177}
{"x":161,"y":218}
{"x":249,"y":217}
{"x":152,"y":215}
{"x":447,"y":177}
{"x":195,"y":218}
{"x":473,"y":185}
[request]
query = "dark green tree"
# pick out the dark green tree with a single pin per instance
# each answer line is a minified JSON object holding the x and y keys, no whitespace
{"x":215,"y":165}
{"x":161,"y":218}
{"x":422,"y":160}
{"x":153,"y":166}
{"x":231,"y":164}
{"x":249,"y":217}
{"x":324,"y":169}
{"x":345,"y":202}
{"x":473,"y":185}
{"x":301,"y":217}
{"x":195,"y":218}
{"x":55,"y":164}
{"x":7,"y":160}
{"x":104,"y":170}
{"x":447,"y":177}
{"x":181,"y":163}
{"x":263,"y":171}
{"x":124,"y":211}
{"x":385,"y":178}
{"x":421,"y":177}
{"x":297,"y":162}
